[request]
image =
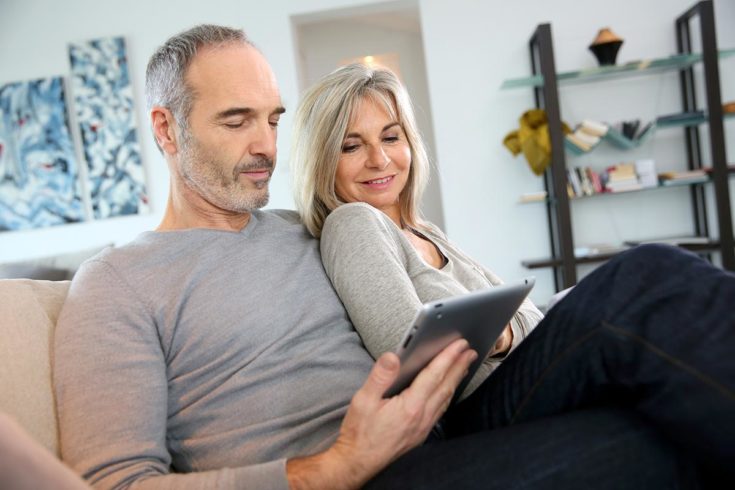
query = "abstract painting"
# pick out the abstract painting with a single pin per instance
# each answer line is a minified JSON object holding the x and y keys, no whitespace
{"x":39,"y":182}
{"x":103,"y":100}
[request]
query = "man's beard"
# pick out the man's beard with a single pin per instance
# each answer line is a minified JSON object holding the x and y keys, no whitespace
{"x":203,"y":172}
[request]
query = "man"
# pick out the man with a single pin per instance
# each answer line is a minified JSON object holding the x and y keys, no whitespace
{"x":213,"y":353}
{"x":148,"y":358}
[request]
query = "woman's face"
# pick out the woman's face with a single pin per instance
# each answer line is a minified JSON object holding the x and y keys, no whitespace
{"x":375,"y":160}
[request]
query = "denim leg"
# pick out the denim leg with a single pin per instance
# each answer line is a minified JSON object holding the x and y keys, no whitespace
{"x":652,"y":330}
{"x":598,"y":448}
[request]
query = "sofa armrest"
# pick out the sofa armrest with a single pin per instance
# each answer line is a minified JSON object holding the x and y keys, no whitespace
{"x":28,"y":313}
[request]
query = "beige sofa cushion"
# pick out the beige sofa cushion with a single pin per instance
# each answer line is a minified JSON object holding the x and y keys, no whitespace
{"x":28,"y":313}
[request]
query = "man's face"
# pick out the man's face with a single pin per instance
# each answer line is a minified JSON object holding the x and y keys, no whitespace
{"x":228,"y":152}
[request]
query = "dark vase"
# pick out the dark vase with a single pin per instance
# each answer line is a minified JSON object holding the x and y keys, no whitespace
{"x":606,"y":53}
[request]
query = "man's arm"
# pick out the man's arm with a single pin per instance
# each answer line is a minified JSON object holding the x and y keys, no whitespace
{"x":110,"y":379}
{"x":112,"y":393}
{"x":378,"y":430}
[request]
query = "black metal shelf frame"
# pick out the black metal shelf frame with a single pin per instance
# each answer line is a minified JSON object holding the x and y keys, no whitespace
{"x":563,"y":261}
{"x":704,"y":10}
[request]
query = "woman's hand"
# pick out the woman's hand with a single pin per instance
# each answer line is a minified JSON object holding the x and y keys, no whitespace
{"x":503,"y":344}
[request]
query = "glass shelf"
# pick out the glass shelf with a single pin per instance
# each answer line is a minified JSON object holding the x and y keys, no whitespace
{"x":693,"y":120}
{"x":594,"y":257}
{"x":620,"y":141}
{"x":668,"y":185}
{"x":632,"y":68}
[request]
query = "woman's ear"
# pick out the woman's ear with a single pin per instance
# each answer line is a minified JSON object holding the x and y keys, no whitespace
{"x":164,"y":124}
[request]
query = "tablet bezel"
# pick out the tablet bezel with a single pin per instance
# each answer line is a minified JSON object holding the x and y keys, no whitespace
{"x":479,"y":317}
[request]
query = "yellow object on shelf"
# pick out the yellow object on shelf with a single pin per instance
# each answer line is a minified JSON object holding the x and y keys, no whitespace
{"x":532,"y":139}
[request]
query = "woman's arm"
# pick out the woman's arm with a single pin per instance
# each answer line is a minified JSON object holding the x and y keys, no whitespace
{"x":364,"y":258}
{"x":525,"y":319}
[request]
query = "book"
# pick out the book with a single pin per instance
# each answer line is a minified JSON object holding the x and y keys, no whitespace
{"x":573,"y":179}
{"x":578,"y":143}
{"x":622,"y":171}
{"x":730,"y":168}
{"x":629,"y":128}
{"x":533,"y":196}
{"x":629,"y":134}
{"x":596,"y":181}
{"x":646,"y":170}
{"x":594,"y":128}
{"x":584,"y":180}
{"x":683,"y":177}
{"x":685,"y":180}
{"x":643,"y":130}
{"x":622,"y":177}
{"x":589,"y":139}
{"x":684,"y":174}
{"x":623,"y":186}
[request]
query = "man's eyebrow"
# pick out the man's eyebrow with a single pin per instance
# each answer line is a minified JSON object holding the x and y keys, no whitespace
{"x":385,"y":128}
{"x":244,"y":111}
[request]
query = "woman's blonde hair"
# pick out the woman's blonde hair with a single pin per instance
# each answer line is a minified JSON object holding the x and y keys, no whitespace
{"x":321,"y":124}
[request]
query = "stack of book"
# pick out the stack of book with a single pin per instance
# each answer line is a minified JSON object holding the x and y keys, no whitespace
{"x":583,"y":181}
{"x":685,"y":177}
{"x":622,"y":177}
{"x":646,"y":170}
{"x":586,"y":136}
{"x":629,"y":134}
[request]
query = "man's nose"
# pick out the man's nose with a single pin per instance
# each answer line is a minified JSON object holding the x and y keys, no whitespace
{"x":264,"y":142}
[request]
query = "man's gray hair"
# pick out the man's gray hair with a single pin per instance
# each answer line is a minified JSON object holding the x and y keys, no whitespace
{"x":165,"y":83}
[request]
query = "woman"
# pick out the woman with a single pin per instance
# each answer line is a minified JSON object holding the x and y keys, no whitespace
{"x":397,"y":261}
{"x":651,"y":330}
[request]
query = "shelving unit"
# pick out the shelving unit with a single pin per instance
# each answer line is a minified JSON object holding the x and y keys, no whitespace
{"x":545,"y":81}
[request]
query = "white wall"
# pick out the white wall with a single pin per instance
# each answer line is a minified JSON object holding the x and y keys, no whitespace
{"x":487,"y":42}
{"x":470,"y":47}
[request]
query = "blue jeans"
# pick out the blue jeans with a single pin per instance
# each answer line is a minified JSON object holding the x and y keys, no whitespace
{"x":627,"y":381}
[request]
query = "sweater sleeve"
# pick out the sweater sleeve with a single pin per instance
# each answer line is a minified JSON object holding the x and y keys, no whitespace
{"x":111,"y":393}
{"x":524,"y":320}
{"x":363,"y":257}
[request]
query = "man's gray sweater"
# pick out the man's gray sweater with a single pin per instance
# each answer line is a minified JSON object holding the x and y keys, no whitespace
{"x":211,"y":352}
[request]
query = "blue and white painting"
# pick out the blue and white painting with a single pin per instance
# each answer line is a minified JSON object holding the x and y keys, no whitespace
{"x":103,"y":99}
{"x":39,"y":181}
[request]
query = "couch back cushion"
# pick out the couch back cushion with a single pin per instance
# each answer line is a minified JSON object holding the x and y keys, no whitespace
{"x":28,"y":313}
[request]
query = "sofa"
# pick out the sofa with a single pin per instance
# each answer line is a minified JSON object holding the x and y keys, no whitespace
{"x":28,"y":313}
{"x":29,"y":310}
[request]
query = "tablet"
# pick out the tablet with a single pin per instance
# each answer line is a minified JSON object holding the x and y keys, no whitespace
{"x":479,"y":317}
